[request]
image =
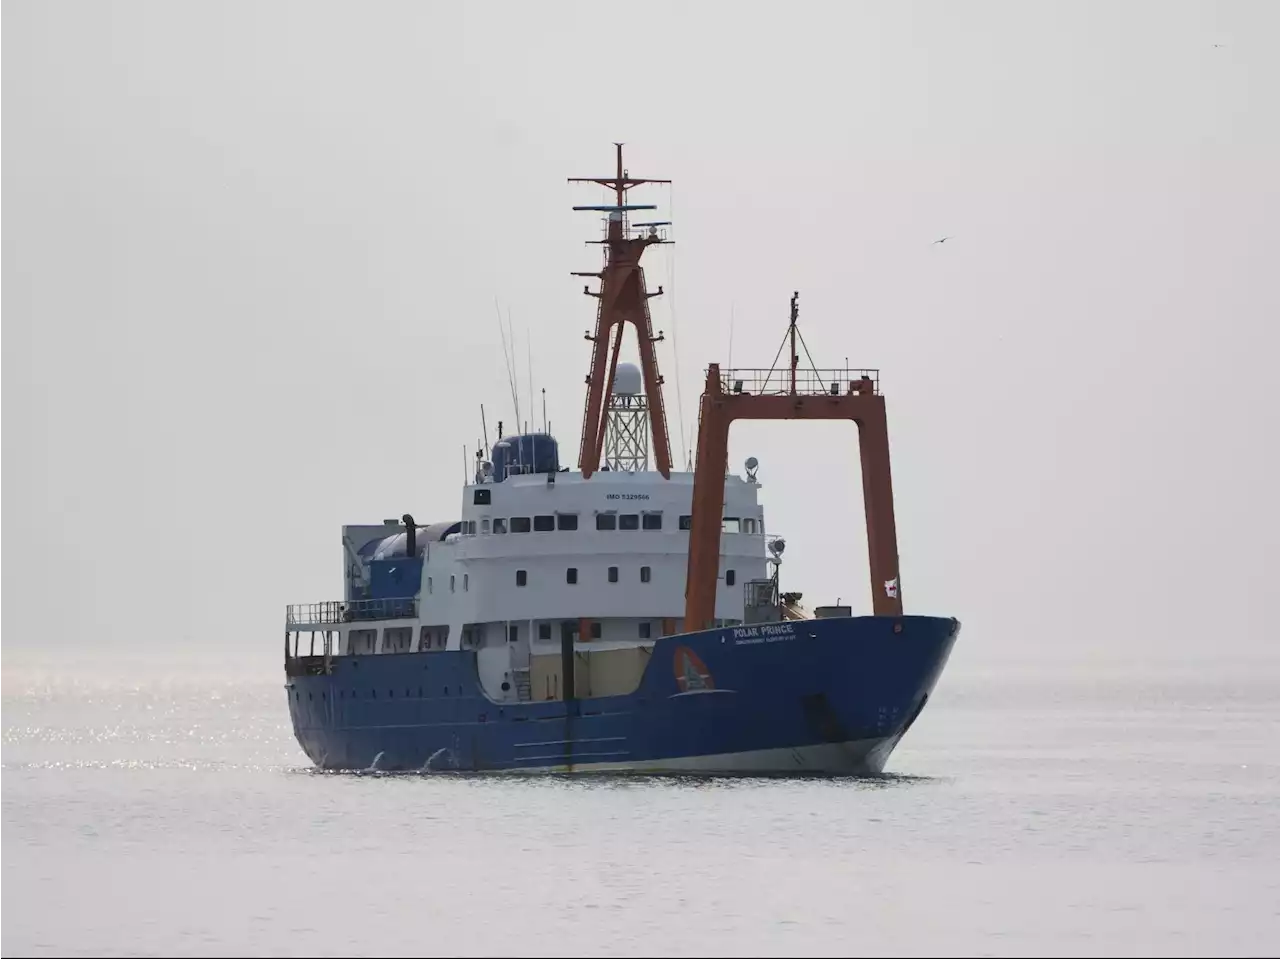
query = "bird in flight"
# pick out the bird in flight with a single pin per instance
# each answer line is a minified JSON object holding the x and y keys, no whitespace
{"x":943,"y":240}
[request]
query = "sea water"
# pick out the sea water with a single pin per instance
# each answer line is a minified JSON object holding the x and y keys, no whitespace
{"x":156,"y":806}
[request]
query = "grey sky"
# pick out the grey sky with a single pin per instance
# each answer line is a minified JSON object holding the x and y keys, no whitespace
{"x":251,"y":253}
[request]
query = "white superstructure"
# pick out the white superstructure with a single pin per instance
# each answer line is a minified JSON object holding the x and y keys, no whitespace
{"x":539,"y":555}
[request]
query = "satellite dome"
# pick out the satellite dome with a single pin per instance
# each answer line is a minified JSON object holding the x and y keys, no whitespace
{"x":628,"y":381}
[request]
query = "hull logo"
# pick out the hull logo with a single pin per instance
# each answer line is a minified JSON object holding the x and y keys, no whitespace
{"x":891,"y":588}
{"x":691,"y":672}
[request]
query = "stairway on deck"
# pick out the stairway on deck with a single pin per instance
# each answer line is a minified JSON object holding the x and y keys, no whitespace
{"x":524,"y":689}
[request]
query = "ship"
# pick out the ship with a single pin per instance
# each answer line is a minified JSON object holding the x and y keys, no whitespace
{"x":622,"y":616}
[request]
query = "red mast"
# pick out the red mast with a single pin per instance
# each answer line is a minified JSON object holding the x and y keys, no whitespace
{"x":622,"y":299}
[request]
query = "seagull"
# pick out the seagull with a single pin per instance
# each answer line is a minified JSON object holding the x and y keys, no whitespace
{"x":943,"y":240}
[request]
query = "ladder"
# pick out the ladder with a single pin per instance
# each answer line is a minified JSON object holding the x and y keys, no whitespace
{"x":524,"y":689}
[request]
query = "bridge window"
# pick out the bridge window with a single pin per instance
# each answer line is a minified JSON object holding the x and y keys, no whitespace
{"x":571,"y":575}
{"x":544,"y":524}
{"x":749,"y":525}
{"x":729,"y":577}
{"x":645,"y":629}
{"x":731,"y":524}
{"x":613,"y":574}
{"x":567,"y":520}
{"x":522,"y":577}
{"x":644,"y":574}
{"x":686,"y":522}
{"x":606,"y":520}
{"x":629,"y":521}
{"x":499,"y":525}
{"x":482,"y":497}
{"x":520,"y":524}
{"x":653,"y":521}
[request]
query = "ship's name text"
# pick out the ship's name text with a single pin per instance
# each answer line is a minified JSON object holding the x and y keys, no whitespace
{"x":764,"y":633}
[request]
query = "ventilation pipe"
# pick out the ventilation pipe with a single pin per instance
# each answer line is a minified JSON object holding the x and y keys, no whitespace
{"x":410,"y":536}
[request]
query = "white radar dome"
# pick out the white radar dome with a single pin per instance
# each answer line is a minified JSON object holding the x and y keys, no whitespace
{"x":628,"y":381}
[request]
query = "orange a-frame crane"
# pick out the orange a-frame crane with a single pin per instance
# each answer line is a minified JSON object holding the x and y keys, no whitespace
{"x":813,"y":395}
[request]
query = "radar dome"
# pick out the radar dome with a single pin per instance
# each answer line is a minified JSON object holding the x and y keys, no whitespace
{"x":628,"y":381}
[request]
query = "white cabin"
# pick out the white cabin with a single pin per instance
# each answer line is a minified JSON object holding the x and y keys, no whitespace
{"x":541,"y":555}
{"x":541,"y":560}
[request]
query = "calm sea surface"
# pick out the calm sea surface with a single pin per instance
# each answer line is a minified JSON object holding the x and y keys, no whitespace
{"x":165,"y":810}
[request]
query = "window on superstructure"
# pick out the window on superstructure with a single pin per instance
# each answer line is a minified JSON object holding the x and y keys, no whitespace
{"x":544,"y":630}
{"x":730,"y":577}
{"x":606,"y":520}
{"x":645,"y":629}
{"x":629,"y":521}
{"x":567,"y":520}
{"x":749,"y":525}
{"x":653,"y":521}
{"x":484,"y":525}
{"x":731,"y":524}
{"x":544,"y":524}
{"x":466,"y":582}
{"x":686,"y":522}
{"x":644,"y":574}
{"x":522,"y":577}
{"x":397,"y":639}
{"x":613,"y":574}
{"x":520,"y":524}
{"x":596,"y":629}
{"x":429,"y":584}
{"x":452,"y":583}
{"x":571,"y":575}
{"x":500,"y":525}
{"x":513,"y":634}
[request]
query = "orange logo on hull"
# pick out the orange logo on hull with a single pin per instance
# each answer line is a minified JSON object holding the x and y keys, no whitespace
{"x":691,"y":672}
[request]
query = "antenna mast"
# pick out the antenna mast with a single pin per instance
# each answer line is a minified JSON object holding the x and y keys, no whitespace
{"x":622,"y":299}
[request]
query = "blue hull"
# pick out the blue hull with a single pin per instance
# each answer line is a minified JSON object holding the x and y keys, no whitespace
{"x":821,"y":696}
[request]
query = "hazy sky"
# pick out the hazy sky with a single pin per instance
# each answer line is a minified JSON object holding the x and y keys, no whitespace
{"x":251,"y":253}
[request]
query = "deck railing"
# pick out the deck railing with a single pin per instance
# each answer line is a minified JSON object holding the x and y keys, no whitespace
{"x":809,"y":382}
{"x":359,"y":610}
